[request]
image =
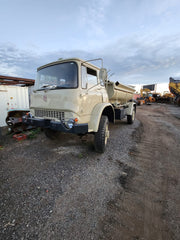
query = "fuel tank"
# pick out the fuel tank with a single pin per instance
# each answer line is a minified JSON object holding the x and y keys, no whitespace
{"x":119,"y":93}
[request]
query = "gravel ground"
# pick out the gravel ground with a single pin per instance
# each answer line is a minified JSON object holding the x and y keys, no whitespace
{"x":64,"y":190}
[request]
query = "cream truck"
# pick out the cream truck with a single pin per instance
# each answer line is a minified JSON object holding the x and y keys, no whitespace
{"x":75,"y":96}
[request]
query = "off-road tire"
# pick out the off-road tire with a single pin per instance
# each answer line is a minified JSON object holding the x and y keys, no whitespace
{"x":178,"y":101}
{"x":131,"y":118}
{"x":51,"y":134}
{"x":101,"y":136}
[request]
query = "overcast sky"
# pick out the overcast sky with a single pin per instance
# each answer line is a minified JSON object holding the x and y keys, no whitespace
{"x":139,"y":40}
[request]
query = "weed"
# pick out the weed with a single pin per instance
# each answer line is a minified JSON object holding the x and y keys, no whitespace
{"x":33,"y":133}
{"x":80,"y":155}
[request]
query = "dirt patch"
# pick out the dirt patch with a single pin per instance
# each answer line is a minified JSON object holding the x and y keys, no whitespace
{"x":63,"y":189}
{"x":147,"y":206}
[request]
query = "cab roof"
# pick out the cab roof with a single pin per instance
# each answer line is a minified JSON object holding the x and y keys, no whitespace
{"x":68,"y":60}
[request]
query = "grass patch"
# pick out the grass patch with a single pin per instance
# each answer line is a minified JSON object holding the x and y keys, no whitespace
{"x":33,"y":133}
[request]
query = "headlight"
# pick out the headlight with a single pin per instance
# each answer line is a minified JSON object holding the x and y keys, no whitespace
{"x":70,"y":123}
{"x":28,"y":115}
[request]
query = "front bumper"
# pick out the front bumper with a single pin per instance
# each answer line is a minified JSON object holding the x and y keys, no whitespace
{"x":57,"y":126}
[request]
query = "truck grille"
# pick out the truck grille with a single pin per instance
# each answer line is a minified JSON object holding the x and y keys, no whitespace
{"x":49,"y":114}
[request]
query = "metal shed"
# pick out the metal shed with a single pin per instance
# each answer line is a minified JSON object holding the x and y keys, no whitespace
{"x":13,"y":95}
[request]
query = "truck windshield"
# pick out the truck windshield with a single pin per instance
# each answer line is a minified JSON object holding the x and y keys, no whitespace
{"x":59,"y":76}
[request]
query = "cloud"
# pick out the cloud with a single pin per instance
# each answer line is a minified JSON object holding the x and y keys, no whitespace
{"x":18,"y":62}
{"x":161,"y":7}
{"x":176,"y":75}
{"x":92,"y":15}
{"x":5,"y":69}
{"x":132,"y":60}
{"x":148,"y":57}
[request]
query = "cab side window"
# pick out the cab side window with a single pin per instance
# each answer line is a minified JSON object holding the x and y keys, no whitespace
{"x":92,"y":77}
{"x":88,"y":76}
{"x":84,"y":79}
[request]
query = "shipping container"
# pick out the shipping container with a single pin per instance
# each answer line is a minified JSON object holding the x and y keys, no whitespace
{"x":12,"y":97}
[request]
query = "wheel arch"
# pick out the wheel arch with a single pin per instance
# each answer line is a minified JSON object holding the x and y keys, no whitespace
{"x":99,"y":110}
{"x":109,"y":112}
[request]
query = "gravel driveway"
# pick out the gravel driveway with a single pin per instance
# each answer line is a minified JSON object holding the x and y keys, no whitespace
{"x":64,"y":190}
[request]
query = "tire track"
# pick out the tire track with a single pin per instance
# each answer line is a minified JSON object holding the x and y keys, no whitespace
{"x":146,"y":207}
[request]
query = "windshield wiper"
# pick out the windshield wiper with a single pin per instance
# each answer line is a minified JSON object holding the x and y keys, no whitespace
{"x":59,"y":87}
{"x":45,"y":86}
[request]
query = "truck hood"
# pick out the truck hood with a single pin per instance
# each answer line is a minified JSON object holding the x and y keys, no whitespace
{"x":60,"y":99}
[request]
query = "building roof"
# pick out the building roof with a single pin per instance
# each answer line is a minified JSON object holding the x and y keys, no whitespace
{"x":7,"y":80}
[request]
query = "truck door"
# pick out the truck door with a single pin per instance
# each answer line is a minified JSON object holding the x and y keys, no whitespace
{"x":91,"y":90}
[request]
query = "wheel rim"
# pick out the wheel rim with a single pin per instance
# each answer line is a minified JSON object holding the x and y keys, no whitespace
{"x":106,"y":134}
{"x":133,"y":114}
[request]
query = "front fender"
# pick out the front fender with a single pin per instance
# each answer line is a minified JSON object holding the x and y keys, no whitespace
{"x":96,"y":116}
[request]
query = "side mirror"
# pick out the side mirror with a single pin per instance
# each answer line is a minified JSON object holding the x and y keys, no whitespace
{"x":103,"y":75}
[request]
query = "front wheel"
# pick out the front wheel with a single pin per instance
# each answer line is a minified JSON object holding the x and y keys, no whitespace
{"x":52,"y":134}
{"x":131,"y":118}
{"x":102,"y":135}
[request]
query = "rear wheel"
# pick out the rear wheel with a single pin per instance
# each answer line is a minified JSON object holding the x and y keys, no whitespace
{"x":102,"y":135}
{"x":131,"y":118}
